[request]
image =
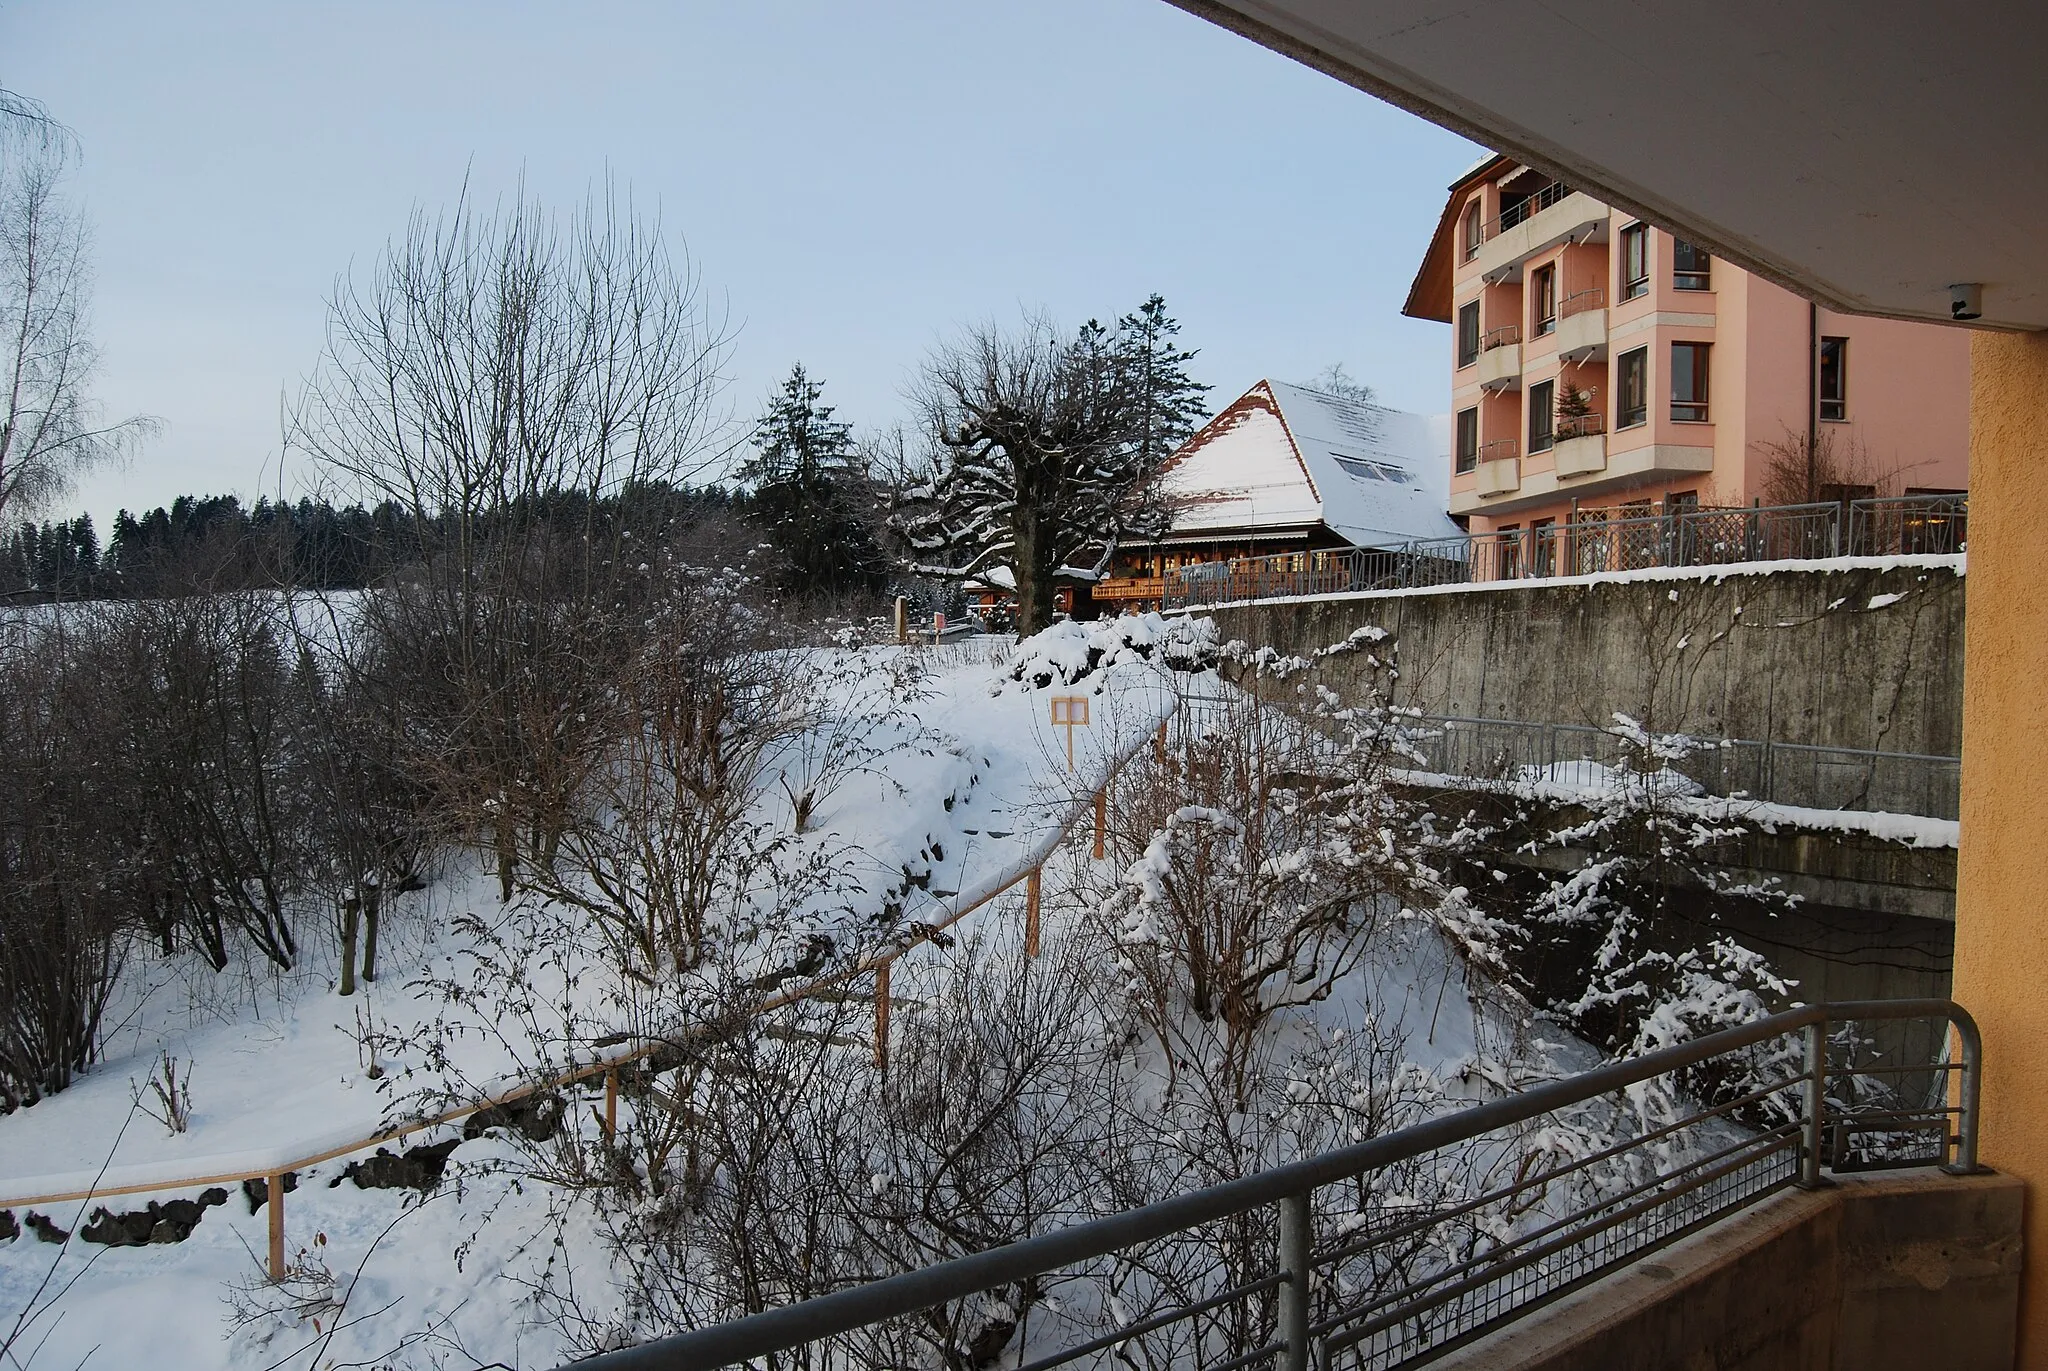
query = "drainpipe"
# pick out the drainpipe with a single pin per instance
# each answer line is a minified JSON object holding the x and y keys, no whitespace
{"x":1812,"y":402}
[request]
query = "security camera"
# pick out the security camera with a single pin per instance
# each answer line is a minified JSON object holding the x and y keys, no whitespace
{"x":1966,"y":301}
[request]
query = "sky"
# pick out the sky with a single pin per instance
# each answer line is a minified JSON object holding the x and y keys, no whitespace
{"x":853,"y":182}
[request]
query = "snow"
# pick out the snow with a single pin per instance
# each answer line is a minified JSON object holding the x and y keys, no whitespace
{"x":1954,"y":563}
{"x":1880,"y":601}
{"x":1569,"y":782}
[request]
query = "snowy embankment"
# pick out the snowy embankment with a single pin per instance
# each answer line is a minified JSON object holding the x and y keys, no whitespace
{"x":965,"y":786}
{"x":973,"y":793}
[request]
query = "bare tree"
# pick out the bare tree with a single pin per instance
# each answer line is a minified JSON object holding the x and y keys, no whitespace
{"x":50,"y":428}
{"x":510,"y":379}
{"x":1829,"y":465}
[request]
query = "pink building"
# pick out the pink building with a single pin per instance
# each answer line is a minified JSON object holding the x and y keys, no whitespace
{"x":1603,"y":367}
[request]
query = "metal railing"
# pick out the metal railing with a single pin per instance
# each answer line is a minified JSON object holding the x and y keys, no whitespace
{"x":1593,"y":542}
{"x":1909,"y":524}
{"x":1533,"y":204}
{"x":1334,"y":1261}
{"x":1579,"y":301}
{"x":1507,"y":335}
{"x":1802,"y":774}
{"x":1580,"y":425}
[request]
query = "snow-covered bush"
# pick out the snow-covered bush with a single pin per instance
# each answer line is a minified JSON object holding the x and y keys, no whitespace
{"x":1070,"y":651}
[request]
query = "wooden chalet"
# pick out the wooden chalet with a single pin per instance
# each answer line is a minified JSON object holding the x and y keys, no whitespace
{"x":1282,"y":479}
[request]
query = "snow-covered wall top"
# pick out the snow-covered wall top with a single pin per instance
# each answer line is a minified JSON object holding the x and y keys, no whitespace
{"x":1283,"y":458}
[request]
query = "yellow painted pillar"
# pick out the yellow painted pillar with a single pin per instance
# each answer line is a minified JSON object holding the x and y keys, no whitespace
{"x":2002,"y":875}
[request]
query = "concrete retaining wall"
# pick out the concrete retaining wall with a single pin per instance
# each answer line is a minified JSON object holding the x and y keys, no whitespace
{"x":1908,"y":1270}
{"x":1860,"y":655}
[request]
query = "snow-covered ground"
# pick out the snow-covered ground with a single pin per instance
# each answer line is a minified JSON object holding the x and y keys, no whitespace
{"x":969,"y":787}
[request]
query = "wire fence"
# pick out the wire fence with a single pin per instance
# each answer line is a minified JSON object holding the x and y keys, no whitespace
{"x":1584,"y":757}
{"x":1335,"y":1261}
{"x":1593,"y":542}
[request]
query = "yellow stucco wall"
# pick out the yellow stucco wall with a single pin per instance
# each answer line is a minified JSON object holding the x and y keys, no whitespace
{"x":2001,"y":967}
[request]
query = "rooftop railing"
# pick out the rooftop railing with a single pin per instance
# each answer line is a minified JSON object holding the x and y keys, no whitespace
{"x":1595,"y":542}
{"x":1400,"y":1247}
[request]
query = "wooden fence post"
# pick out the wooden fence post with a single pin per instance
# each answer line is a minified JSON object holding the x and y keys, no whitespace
{"x":1031,"y":912}
{"x":275,"y":1199}
{"x":1159,"y":744}
{"x":1101,"y":820}
{"x":611,"y":1101}
{"x":882,"y":1017}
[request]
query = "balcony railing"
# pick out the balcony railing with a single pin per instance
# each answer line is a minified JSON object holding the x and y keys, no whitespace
{"x":1580,"y":426}
{"x":1507,"y":335}
{"x":1579,"y":301}
{"x":1524,"y":209}
{"x":1500,"y":450}
{"x":1597,"y":542}
{"x":1334,"y":1260}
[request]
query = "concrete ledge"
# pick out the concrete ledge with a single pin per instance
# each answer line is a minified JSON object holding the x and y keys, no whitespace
{"x":1906,"y":1269}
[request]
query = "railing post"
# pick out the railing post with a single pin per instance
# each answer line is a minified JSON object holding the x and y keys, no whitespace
{"x":1031,"y":912}
{"x":1967,"y":1088}
{"x":275,"y":1199}
{"x":1296,"y":1244}
{"x":1101,"y":819}
{"x":1816,"y":1038}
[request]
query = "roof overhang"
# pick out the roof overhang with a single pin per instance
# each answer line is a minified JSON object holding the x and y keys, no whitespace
{"x":1867,"y":154}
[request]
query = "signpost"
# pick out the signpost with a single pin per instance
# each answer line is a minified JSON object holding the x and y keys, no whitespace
{"x":1070,"y":712}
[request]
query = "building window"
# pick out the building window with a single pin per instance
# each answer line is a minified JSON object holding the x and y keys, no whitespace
{"x":1635,"y":261}
{"x":1468,"y":333}
{"x":1542,"y":415}
{"x":1834,"y":378}
{"x":1468,"y":439}
{"x":1632,"y":391}
{"x":1543,"y":298}
{"x":1689,"y":382}
{"x":1691,"y":267}
{"x":1473,"y":232}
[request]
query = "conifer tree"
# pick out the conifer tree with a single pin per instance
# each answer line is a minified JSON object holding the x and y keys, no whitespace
{"x":808,"y":487}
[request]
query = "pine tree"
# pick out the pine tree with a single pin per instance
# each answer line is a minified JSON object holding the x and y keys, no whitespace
{"x":1046,"y":450}
{"x":808,"y":485}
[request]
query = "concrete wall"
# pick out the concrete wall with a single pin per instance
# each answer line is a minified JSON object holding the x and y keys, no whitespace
{"x":1906,"y":1270}
{"x":2001,"y":963}
{"x":1797,"y":656}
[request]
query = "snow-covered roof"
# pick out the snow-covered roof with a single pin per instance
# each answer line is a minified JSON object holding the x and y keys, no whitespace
{"x":1284,"y":455}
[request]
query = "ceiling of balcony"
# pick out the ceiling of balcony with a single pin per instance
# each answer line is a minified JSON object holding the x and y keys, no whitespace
{"x":1866,"y":153}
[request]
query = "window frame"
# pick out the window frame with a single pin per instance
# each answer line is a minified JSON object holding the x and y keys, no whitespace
{"x":1463,"y":458}
{"x":1468,"y":310}
{"x":1472,"y":226}
{"x":1696,"y":405}
{"x":1839,"y":400}
{"x":1543,"y":282}
{"x":1632,"y":366}
{"x":1545,"y":413}
{"x":1699,"y":276}
{"x":1635,"y":240}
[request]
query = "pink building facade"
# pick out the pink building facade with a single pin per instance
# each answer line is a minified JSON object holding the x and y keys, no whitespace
{"x":1603,"y":369}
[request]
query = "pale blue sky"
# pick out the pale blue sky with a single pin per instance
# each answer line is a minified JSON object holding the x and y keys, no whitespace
{"x":853,"y":180}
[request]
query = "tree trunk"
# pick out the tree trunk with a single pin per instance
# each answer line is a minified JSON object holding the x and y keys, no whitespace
{"x":350,"y":909}
{"x":1033,"y":569}
{"x":373,"y":909}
